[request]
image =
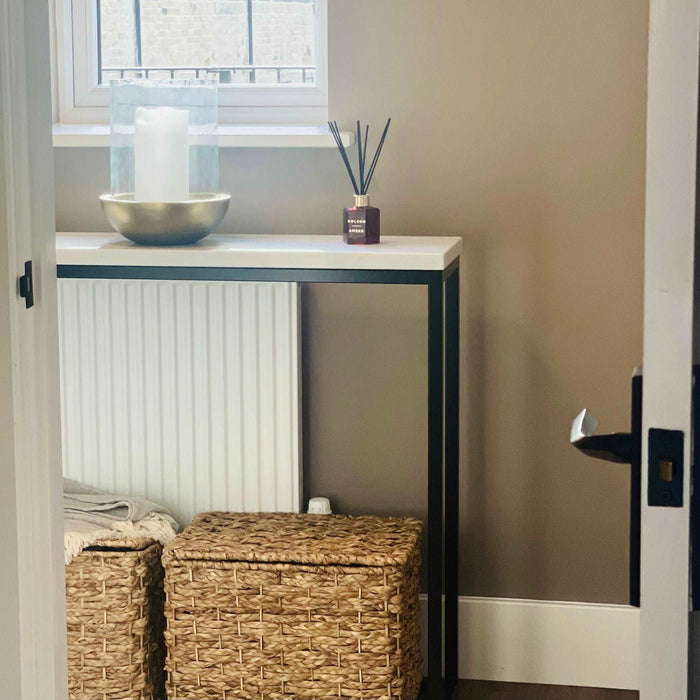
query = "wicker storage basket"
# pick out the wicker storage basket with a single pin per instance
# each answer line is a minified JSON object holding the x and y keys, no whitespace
{"x":114,"y":602}
{"x":274,"y":606}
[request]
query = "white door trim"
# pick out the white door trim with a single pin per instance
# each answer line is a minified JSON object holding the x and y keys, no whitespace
{"x":32,"y":606}
{"x":547,"y":642}
{"x":672,"y":116}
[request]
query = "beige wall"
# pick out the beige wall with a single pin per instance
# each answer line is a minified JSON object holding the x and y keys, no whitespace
{"x":518,"y":125}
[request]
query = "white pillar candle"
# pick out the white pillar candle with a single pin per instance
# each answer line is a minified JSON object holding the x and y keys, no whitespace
{"x":161,"y":155}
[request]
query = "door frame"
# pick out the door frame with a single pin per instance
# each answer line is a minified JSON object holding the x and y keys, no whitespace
{"x":32,"y":608}
{"x":669,"y":250}
{"x":32,"y":600}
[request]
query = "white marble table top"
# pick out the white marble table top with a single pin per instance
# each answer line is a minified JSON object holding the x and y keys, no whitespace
{"x":262,"y":251}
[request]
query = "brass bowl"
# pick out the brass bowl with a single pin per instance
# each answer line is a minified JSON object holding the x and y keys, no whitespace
{"x":165,"y":223}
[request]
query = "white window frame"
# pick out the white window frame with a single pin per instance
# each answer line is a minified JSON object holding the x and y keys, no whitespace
{"x":79,"y":99}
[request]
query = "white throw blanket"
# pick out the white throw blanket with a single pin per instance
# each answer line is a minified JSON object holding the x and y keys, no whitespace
{"x":91,"y":515}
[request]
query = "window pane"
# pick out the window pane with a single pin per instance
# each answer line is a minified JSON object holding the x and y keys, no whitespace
{"x":190,"y":38}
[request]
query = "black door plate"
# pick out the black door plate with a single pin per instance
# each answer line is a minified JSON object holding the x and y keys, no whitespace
{"x":665,"y":486}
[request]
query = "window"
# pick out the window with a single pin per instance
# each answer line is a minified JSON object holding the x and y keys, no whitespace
{"x":269,"y":56}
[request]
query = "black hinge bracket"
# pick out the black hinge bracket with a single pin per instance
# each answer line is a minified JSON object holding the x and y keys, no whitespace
{"x":26,"y":285}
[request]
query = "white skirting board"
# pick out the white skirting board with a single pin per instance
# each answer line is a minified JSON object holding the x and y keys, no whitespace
{"x":553,"y":643}
{"x":186,"y":392}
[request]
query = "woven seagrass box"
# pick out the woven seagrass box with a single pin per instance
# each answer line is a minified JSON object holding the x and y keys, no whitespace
{"x":272,"y":606}
{"x":114,"y":606}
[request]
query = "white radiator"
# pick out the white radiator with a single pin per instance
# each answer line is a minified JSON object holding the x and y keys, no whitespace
{"x":184,"y":392}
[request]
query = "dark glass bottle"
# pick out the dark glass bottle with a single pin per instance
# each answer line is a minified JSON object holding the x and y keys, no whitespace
{"x":361,"y":222}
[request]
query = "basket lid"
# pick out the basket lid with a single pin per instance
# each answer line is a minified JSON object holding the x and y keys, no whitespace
{"x":121,"y":544}
{"x":301,"y":538}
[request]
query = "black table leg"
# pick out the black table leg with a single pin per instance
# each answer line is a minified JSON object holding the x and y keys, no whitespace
{"x":451,"y":480}
{"x":435,"y":485}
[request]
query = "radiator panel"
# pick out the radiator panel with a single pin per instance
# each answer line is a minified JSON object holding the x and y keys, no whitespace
{"x":182,"y":391}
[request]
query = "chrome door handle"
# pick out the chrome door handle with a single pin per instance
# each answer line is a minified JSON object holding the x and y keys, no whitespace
{"x":615,"y":447}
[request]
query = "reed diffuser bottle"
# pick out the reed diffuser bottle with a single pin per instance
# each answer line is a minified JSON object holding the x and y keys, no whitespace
{"x":361,"y":221}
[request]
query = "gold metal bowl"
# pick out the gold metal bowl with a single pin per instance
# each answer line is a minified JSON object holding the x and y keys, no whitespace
{"x":165,"y":223}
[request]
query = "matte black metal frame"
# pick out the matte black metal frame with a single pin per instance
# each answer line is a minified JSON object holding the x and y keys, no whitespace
{"x":636,"y":492}
{"x":443,"y":423}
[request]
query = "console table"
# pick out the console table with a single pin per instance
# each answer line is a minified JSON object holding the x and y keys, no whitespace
{"x":415,"y":260}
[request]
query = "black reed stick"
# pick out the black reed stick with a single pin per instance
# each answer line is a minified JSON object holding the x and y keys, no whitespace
{"x":365,"y":174}
{"x":346,"y":158}
{"x":364,"y":156}
{"x":359,"y":158}
{"x":333,"y":126}
{"x":375,"y":160}
{"x":339,"y":142}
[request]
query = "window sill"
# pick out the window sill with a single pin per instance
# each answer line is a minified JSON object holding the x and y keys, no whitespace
{"x":230,"y":136}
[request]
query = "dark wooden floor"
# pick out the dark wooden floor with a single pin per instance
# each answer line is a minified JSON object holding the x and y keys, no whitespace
{"x":488,"y":690}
